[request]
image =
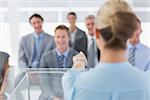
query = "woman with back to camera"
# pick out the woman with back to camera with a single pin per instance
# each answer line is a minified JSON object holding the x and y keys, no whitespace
{"x":113,"y":78}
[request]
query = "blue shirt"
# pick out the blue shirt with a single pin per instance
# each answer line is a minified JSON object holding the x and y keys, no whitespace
{"x":65,"y":55}
{"x":116,"y":81}
{"x":142,"y":56}
{"x":38,"y":41}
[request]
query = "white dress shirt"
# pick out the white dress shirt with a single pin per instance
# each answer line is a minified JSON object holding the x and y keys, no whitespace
{"x":72,"y":36}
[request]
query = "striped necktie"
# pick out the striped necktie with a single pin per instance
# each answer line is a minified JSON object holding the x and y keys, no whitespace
{"x":131,"y":56}
{"x":61,"y":61}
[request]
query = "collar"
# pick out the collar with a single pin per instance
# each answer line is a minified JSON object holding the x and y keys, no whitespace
{"x":90,"y":37}
{"x":74,"y":31}
{"x":112,"y":65}
{"x":138,"y":46}
{"x":41,"y":35}
{"x":65,"y":53}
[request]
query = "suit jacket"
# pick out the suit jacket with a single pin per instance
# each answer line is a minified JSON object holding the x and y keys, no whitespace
{"x":49,"y":59}
{"x":80,"y":42}
{"x":26,"y":48}
{"x":50,"y":83}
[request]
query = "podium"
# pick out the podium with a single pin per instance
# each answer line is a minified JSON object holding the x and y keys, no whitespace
{"x":35,"y":84}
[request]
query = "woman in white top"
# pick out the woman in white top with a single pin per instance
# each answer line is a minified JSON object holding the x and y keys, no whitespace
{"x":113,"y":78}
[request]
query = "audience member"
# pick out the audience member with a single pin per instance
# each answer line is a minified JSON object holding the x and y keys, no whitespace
{"x":60,"y":57}
{"x":93,"y":51}
{"x":78,"y":38}
{"x":33,"y":45}
{"x":138,"y":53}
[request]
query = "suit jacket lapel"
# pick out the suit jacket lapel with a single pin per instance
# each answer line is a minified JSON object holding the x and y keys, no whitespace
{"x":69,"y":59}
{"x":55,"y":62}
{"x":76,"y":37}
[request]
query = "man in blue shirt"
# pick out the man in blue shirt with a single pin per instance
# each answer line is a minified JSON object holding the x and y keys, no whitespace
{"x":59,"y":57}
{"x":31,"y":48}
{"x":33,"y":45}
{"x":138,"y":54}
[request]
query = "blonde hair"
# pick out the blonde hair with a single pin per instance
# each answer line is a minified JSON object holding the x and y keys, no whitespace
{"x":116,"y":23}
{"x":108,"y":10}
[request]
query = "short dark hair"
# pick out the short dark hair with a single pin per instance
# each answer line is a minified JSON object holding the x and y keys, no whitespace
{"x":36,"y":15}
{"x":72,"y":13}
{"x":63,"y":27}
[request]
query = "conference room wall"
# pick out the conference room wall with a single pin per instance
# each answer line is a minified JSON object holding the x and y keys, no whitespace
{"x":14,"y":18}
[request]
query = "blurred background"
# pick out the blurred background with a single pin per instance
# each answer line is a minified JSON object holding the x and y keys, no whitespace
{"x":14,"y":16}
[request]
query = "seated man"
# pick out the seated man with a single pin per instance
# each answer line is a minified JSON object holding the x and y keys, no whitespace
{"x":60,"y":57}
{"x":138,"y":53}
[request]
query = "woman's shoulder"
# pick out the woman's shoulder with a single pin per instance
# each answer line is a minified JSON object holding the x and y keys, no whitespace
{"x":103,"y":77}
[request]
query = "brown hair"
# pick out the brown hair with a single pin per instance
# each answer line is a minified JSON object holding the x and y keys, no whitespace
{"x":63,"y":27}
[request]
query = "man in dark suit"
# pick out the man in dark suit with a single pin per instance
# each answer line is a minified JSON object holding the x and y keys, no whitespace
{"x":60,"y":57}
{"x":93,"y":51}
{"x":77,"y":36}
